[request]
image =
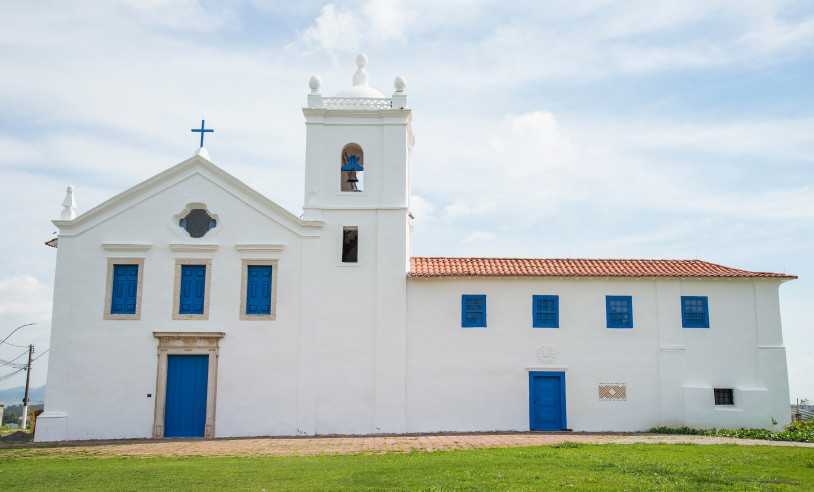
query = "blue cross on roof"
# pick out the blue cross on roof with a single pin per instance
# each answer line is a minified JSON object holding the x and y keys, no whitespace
{"x":202,"y":131}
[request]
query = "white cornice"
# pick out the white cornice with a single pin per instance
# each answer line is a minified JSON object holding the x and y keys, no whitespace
{"x":193,"y":248}
{"x":126,"y":247}
{"x":259,"y":248}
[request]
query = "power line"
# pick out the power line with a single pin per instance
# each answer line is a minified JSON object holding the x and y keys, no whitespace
{"x":12,"y":374}
{"x":37,"y":357}
{"x":7,"y":376}
{"x":14,"y":345}
{"x":10,"y":362}
{"x":27,"y":241}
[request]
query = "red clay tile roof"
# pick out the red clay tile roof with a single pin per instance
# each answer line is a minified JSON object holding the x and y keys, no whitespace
{"x":577,"y":267}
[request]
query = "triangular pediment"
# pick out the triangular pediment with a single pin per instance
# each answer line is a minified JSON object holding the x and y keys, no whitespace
{"x":194,"y":166}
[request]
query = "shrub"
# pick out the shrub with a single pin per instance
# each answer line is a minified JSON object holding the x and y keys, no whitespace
{"x":796,"y":431}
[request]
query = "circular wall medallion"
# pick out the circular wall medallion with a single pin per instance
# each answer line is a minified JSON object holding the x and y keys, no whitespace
{"x":546,"y":354}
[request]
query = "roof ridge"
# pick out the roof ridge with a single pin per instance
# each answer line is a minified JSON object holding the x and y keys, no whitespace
{"x":556,"y":259}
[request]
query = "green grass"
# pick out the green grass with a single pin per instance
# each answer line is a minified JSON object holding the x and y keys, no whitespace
{"x":586,"y":467}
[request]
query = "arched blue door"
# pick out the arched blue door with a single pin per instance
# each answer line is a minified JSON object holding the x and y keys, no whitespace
{"x":185,"y":407}
{"x":547,"y":400}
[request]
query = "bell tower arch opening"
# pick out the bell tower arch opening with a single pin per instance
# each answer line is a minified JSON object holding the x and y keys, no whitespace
{"x":352,"y":168}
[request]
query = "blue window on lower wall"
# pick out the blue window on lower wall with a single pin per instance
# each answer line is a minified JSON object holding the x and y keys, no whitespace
{"x":258,"y":290}
{"x":619,"y":311}
{"x":546,"y":311}
{"x":193,"y":289}
{"x":473,"y":311}
{"x":694,"y":312}
{"x":125,"y":289}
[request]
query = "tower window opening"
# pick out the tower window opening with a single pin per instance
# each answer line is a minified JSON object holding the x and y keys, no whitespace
{"x":352,"y":169}
{"x":350,"y":245}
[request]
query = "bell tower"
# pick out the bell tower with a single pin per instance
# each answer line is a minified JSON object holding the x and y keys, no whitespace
{"x":357,"y":169}
{"x":358,"y":146}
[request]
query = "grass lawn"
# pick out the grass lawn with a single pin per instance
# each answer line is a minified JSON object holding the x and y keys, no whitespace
{"x":581,"y":466}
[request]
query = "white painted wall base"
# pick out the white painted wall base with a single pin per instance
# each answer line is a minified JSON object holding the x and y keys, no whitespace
{"x":51,"y":426}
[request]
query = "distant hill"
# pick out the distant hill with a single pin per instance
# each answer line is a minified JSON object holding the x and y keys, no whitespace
{"x":14,"y":396}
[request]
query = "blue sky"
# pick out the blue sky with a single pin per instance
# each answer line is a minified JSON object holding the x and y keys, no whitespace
{"x":602,"y":129}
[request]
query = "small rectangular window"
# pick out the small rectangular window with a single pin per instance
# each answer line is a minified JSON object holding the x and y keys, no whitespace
{"x":350,"y":244}
{"x":473,"y":311}
{"x":546,"y":311}
{"x":193,"y":289}
{"x":125,"y":289}
{"x":724,"y":396}
{"x":694,"y":312}
{"x":619,"y":311}
{"x":258,"y":290}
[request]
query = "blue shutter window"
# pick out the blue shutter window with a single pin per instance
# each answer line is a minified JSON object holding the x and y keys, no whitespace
{"x":258,"y":290}
{"x":473,"y":311}
{"x":193,"y":283}
{"x":125,"y":289}
{"x":694,"y":312}
{"x":546,"y":311}
{"x":619,"y":311}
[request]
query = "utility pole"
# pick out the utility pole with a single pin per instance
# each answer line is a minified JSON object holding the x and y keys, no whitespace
{"x":27,"y":380}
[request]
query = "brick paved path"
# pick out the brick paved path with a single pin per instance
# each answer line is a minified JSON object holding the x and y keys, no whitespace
{"x":307,"y":446}
{"x":311,"y":446}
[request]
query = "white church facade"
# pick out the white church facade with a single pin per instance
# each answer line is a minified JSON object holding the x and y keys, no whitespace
{"x":192,"y":306}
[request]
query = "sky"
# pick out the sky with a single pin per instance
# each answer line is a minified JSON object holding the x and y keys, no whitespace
{"x":556,"y":129}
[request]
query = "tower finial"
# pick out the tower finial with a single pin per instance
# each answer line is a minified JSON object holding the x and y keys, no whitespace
{"x":315,"y":84}
{"x":361,"y":77}
{"x":69,"y":205}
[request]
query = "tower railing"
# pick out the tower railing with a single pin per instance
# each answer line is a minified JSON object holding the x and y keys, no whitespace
{"x":357,"y":103}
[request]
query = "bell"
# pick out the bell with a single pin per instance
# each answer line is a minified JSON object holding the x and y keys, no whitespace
{"x":352,"y":177}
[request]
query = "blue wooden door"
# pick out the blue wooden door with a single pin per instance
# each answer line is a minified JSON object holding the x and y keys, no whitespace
{"x":185,"y":408}
{"x":547,"y":400}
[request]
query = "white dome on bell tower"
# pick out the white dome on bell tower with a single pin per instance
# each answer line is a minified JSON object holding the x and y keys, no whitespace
{"x":361,"y":82}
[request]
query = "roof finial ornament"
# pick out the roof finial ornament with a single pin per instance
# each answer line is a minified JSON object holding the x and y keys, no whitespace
{"x":400,"y":96}
{"x":69,"y":205}
{"x":315,"y":84}
{"x":361,"y":77}
{"x":400,"y":84}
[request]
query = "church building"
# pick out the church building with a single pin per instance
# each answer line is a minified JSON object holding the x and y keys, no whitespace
{"x":190,"y":305}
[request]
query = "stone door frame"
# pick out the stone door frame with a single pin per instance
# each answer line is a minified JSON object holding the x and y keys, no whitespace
{"x":186,"y":343}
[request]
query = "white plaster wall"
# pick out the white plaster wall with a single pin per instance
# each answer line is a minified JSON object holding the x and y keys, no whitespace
{"x":358,"y":335}
{"x":334,"y":359}
{"x":477,"y":378}
{"x":102,"y":370}
{"x":385,"y":139}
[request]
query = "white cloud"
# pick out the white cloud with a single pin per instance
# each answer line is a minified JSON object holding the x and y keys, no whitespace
{"x":420,"y":207}
{"x":478,"y":236}
{"x":386,"y":20}
{"x":461,"y":208}
{"x":531,"y":142}
{"x":334,"y":32}
{"x":24,"y":297}
{"x":346,"y":31}
{"x":180,"y":14}
{"x":16,"y":151}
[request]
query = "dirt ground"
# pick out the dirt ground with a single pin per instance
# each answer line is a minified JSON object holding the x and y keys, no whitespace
{"x":333,"y":445}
